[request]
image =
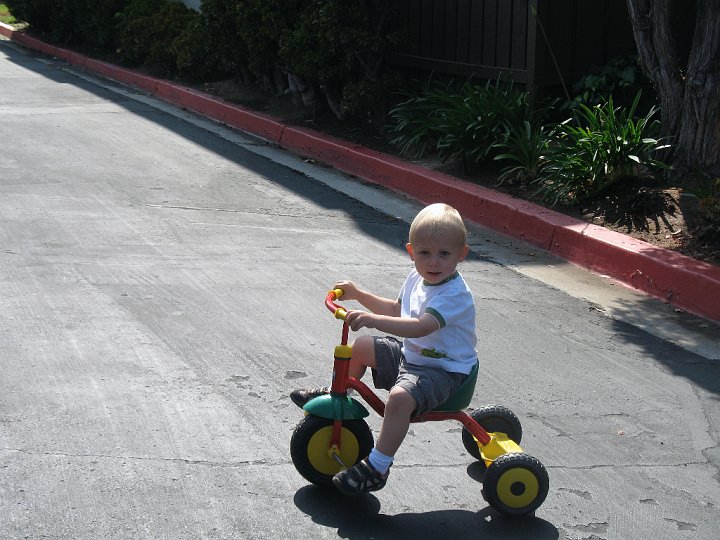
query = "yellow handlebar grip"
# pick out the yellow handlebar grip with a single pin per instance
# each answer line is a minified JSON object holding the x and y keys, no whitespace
{"x":340,"y":313}
{"x":338,"y":293}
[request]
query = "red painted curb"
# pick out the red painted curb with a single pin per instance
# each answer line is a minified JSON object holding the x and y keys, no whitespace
{"x":6,"y":30}
{"x":682,"y":281}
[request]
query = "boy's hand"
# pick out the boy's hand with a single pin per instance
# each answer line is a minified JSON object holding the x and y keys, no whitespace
{"x":360,"y":319}
{"x":375,"y":304}
{"x":350,"y":290}
{"x":397,"y":326}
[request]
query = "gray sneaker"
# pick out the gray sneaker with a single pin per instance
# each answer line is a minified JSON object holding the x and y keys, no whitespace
{"x":301,"y":396}
{"x":360,"y":478}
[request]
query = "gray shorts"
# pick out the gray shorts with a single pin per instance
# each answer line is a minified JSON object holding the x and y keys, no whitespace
{"x":428,"y":386}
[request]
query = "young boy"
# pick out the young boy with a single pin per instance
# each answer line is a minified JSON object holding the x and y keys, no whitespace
{"x":435,"y":314}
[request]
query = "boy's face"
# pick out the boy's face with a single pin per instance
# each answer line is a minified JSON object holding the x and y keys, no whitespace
{"x":436,"y":257}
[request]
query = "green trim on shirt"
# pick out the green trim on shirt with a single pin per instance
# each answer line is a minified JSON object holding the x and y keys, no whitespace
{"x":436,"y":315}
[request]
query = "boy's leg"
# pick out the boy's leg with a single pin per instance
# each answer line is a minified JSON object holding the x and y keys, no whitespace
{"x":371,"y":473}
{"x":396,"y":422}
{"x":363,"y":356}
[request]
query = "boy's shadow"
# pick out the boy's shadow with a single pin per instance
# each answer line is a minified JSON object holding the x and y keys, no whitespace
{"x":360,"y":518}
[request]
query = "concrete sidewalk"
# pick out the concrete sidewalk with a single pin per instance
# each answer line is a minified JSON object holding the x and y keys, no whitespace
{"x":683,"y":282}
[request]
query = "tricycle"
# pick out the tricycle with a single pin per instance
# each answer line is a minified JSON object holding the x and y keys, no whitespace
{"x":333,"y":434}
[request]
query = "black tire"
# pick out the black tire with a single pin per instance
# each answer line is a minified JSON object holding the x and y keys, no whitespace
{"x":492,"y":418}
{"x":310,"y":442}
{"x":516,"y":484}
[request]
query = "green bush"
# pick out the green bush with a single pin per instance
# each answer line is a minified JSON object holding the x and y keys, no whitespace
{"x":147,"y":30}
{"x":336,"y":48}
{"x":219,"y":22}
{"x":522,"y":152}
{"x":5,"y":15}
{"x":71,"y":22}
{"x":524,"y":139}
{"x":415,"y":120}
{"x":263,"y":25}
{"x":163,"y":33}
{"x":38,"y":13}
{"x":598,"y":147}
{"x":340,"y":47}
{"x":332,"y":48}
{"x":568,"y":162}
{"x":621,"y":76}
{"x":193,"y":56}
{"x":96,"y":23}
{"x":472,"y":123}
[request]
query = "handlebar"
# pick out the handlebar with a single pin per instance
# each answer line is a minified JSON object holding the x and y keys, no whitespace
{"x":338,"y":311}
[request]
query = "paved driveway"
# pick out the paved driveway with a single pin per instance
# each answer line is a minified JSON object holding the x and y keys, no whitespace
{"x":161,"y":287}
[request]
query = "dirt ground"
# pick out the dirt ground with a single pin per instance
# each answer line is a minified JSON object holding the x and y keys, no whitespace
{"x":663,"y":215}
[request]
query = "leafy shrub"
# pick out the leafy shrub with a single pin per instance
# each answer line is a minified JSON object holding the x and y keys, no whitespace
{"x":95,"y":26}
{"x":340,"y":47}
{"x":522,"y":151}
{"x":471,"y":123}
{"x":620,"y":76}
{"x":39,"y":13}
{"x":147,"y":30}
{"x":263,"y":25}
{"x":333,"y":48}
{"x":600,"y":146}
{"x":524,"y":140}
{"x":219,"y":22}
{"x":71,"y":22}
{"x":5,"y":15}
{"x":194,"y":58}
{"x":414,"y":120}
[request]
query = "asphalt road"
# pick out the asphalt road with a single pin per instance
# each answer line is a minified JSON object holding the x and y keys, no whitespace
{"x":161,"y":288}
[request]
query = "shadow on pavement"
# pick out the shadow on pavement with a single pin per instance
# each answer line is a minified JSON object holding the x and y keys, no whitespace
{"x":700,"y":371}
{"x":360,"y":518}
{"x":387,"y":229}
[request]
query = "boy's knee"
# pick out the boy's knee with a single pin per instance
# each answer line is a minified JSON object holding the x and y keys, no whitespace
{"x":364,"y":342}
{"x":364,"y":350}
{"x":400,"y":397}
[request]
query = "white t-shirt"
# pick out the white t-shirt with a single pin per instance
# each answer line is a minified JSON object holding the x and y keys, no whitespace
{"x":452,"y":346}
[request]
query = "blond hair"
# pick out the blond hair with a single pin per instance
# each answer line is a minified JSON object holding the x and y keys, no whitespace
{"x":439,"y":220}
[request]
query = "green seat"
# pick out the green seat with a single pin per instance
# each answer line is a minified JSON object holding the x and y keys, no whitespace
{"x":462,"y":396}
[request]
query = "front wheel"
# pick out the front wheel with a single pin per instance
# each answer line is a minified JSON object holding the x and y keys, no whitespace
{"x":310,"y":445}
{"x":516,"y":484}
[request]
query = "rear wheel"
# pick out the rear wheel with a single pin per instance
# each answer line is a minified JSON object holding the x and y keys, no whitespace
{"x":516,"y":484}
{"x":493,"y":418}
{"x":310,"y":444}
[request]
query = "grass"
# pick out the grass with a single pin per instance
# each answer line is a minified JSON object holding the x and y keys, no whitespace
{"x":6,"y":16}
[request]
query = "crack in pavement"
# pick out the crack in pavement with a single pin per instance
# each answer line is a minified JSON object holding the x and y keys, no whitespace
{"x":228,"y":464}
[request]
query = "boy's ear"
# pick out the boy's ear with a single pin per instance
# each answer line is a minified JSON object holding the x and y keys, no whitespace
{"x":409,"y":248}
{"x":464,"y":253}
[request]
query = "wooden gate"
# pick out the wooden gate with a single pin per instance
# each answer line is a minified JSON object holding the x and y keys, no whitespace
{"x":529,"y":41}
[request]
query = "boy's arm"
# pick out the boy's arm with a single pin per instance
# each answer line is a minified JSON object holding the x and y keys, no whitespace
{"x":377,"y":304}
{"x":397,"y":326}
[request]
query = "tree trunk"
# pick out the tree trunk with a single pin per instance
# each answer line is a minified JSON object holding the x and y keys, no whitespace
{"x":689,"y":95}
{"x":698,"y":136}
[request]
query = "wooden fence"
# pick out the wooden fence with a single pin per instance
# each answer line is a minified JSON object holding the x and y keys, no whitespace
{"x":529,"y":41}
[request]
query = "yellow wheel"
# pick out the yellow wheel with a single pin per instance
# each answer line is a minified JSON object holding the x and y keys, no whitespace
{"x":310,"y":447}
{"x":516,"y":484}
